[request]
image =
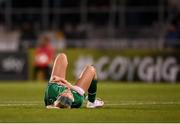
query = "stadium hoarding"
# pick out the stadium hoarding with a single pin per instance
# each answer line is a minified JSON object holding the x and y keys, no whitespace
{"x":123,"y":65}
{"x":13,"y":66}
{"x":142,"y":65}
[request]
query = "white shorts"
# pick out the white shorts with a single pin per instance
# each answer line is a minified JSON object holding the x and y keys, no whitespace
{"x":79,"y":90}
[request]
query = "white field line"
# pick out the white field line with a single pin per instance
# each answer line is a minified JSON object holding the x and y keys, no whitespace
{"x":19,"y":101}
{"x":36,"y":103}
{"x":142,"y":103}
{"x":17,"y":104}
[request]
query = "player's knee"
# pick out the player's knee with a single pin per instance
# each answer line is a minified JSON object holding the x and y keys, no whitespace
{"x":62,"y":57}
{"x":91,"y":68}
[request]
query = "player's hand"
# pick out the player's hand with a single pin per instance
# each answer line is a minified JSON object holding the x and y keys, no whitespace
{"x":61,"y":81}
{"x":58,"y":79}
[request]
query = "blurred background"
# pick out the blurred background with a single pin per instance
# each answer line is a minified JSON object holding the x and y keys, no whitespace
{"x":127,"y":40}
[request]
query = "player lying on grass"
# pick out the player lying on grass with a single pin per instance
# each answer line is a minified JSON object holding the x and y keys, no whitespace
{"x":61,"y":94}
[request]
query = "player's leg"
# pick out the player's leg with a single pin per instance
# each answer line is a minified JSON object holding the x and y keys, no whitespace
{"x":59,"y":69}
{"x":88,"y":82}
{"x":60,"y":66}
{"x":86,"y":78}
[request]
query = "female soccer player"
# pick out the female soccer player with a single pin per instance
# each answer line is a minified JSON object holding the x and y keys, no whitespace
{"x":61,"y":94}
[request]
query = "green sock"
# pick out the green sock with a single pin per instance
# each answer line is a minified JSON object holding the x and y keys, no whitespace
{"x":92,"y":91}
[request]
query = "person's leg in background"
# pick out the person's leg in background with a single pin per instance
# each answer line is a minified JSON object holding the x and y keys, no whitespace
{"x":35,"y":72}
{"x":47,"y":72}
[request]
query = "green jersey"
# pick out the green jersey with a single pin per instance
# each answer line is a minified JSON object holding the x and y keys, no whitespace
{"x":53,"y":90}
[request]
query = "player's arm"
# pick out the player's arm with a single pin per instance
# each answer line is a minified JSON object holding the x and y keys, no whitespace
{"x":62,"y":81}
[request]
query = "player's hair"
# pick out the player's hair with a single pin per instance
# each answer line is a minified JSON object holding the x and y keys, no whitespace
{"x":65,"y":101}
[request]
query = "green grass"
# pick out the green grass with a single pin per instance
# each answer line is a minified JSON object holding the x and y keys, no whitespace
{"x":124,"y":102}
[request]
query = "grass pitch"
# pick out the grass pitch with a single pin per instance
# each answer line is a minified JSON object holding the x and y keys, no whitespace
{"x":124,"y":102}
